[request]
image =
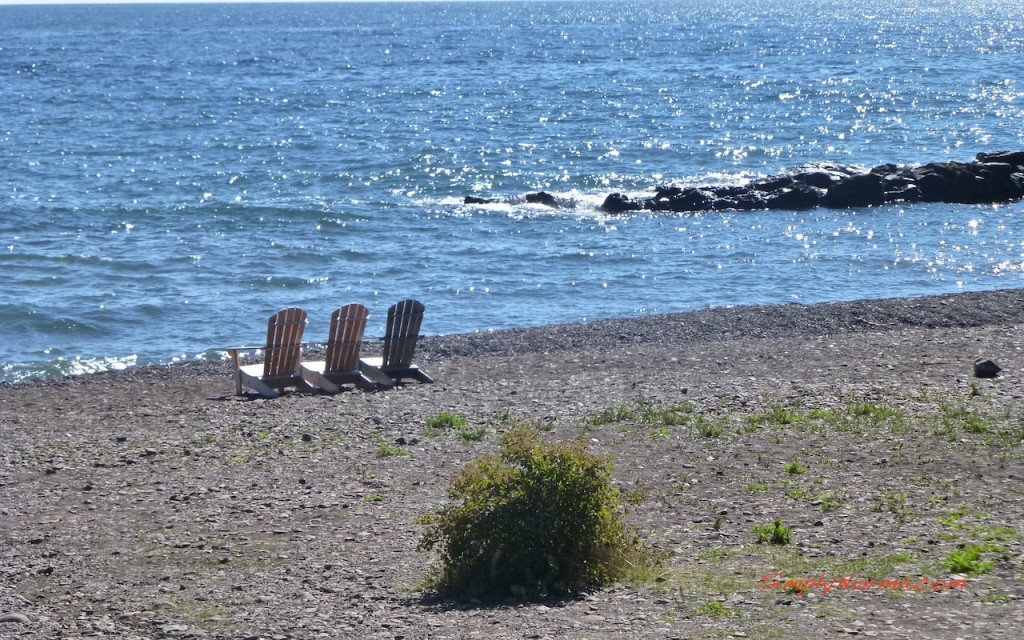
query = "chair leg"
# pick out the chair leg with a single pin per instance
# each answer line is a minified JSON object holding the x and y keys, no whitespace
{"x":365,"y":383}
{"x":233,"y":353}
{"x":257,"y":385}
{"x":319,"y":380}
{"x":376,"y":375}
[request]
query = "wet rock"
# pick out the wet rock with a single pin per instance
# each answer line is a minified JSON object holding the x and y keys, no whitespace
{"x":667,"y":193}
{"x":745,"y":200}
{"x":797,"y":197}
{"x":991,"y":178}
{"x":774,"y":183}
{"x":685,"y":200}
{"x":542,"y":198}
{"x":618,"y":203}
{"x":1001,"y":182}
{"x":864,"y":190}
{"x":969,"y":183}
{"x":1015,"y":158}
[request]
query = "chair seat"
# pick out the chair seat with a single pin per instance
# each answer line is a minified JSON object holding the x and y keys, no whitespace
{"x":316,"y":374}
{"x":392,"y":373}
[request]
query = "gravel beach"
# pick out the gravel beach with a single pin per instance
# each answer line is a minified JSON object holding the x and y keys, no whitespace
{"x":153,"y":502}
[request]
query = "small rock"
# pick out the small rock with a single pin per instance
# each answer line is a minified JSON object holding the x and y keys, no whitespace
{"x":986,"y":368}
{"x":20,"y":618}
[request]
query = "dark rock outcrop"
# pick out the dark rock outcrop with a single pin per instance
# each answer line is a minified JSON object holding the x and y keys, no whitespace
{"x":990,"y":178}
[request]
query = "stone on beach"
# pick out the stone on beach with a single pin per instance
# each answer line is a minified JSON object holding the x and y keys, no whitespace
{"x":986,"y":368}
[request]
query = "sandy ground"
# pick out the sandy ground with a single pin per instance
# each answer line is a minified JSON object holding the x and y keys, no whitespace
{"x":155,"y":503}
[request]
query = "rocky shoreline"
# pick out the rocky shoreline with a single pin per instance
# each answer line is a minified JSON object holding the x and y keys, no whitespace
{"x":154,"y":503}
{"x":990,"y":178}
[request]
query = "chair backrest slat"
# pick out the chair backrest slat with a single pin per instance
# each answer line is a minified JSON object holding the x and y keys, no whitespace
{"x":346,"y":337}
{"x":402,"y":332}
{"x":284,"y":342}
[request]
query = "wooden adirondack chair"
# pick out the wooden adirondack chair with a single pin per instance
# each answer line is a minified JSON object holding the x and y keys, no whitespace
{"x":400,"y":337}
{"x":341,"y":361}
{"x":281,"y":365}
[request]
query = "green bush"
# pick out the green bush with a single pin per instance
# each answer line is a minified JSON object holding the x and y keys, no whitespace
{"x":535,"y":520}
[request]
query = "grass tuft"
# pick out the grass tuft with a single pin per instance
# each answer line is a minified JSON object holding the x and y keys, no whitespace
{"x":774,"y":533}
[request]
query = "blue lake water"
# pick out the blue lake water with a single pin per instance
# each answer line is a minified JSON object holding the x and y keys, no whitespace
{"x":173,"y":174}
